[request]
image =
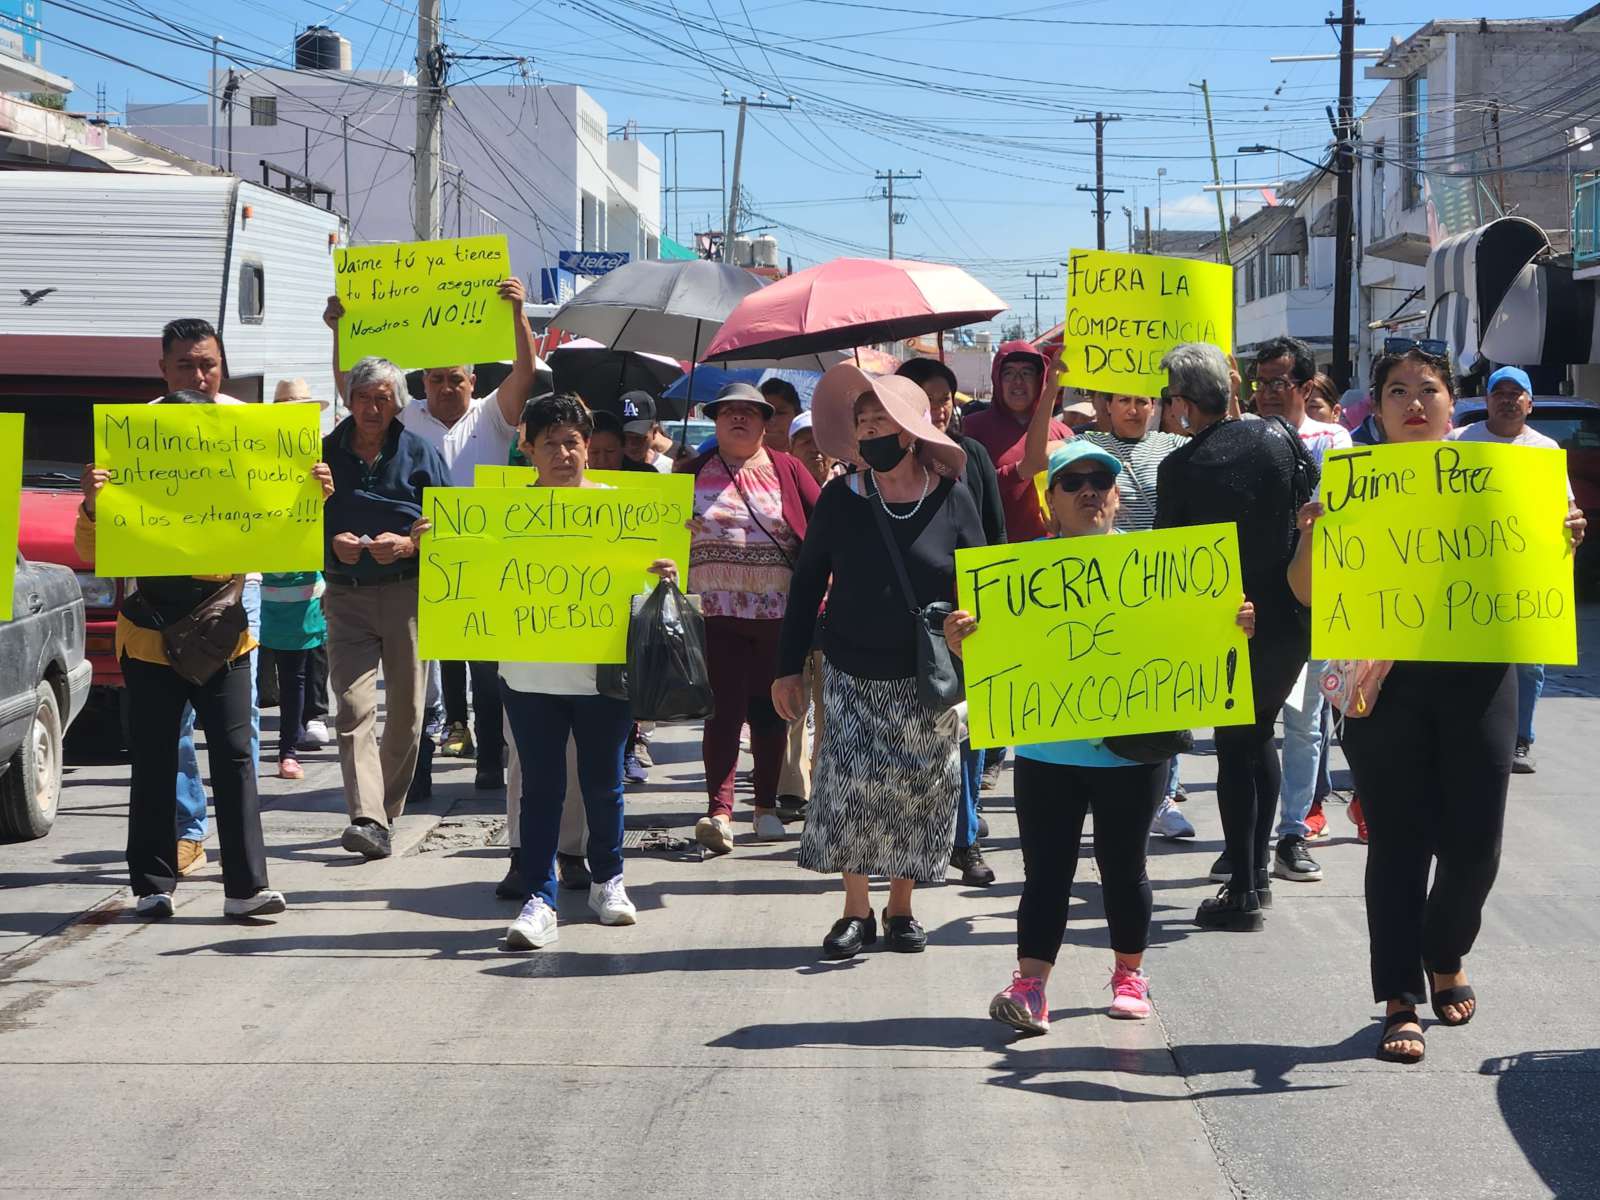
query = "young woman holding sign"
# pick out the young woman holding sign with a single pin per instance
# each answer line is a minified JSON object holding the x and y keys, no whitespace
{"x":546,"y":703}
{"x":1431,"y":758}
{"x":1061,"y":783}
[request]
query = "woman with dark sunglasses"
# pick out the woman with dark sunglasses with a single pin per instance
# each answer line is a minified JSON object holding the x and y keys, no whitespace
{"x":1059,"y":784}
{"x":1431,"y":760}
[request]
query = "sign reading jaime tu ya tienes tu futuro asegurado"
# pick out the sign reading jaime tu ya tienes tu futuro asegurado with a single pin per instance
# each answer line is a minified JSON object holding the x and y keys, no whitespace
{"x":423,"y":304}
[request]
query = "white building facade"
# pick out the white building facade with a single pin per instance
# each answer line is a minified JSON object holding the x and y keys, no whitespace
{"x":533,"y":163}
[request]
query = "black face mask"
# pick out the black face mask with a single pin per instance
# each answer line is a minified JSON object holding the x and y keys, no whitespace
{"x":882,"y":453}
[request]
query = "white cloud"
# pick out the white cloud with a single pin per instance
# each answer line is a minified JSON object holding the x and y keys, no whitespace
{"x":1203,"y":206}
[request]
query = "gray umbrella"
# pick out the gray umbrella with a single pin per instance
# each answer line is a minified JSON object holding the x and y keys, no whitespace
{"x":672,"y":307}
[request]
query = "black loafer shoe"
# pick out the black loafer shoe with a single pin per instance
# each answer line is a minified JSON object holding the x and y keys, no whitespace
{"x":904,"y":935}
{"x":573,"y":872}
{"x":489,"y":779}
{"x":791,"y":808}
{"x":368,"y":839}
{"x":848,"y":936}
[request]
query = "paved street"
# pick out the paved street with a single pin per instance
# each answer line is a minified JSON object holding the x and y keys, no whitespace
{"x":374,"y":1040}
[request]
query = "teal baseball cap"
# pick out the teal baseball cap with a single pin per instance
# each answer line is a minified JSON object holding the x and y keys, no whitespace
{"x":1077,"y":450}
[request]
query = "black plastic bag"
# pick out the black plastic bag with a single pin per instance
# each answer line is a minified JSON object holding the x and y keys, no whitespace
{"x":667,"y":676}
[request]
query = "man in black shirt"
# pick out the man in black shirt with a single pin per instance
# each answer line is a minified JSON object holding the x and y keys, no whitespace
{"x":1251,"y":474}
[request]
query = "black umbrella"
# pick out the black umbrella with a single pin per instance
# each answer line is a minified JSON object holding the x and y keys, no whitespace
{"x":490,"y":375}
{"x":601,"y":375}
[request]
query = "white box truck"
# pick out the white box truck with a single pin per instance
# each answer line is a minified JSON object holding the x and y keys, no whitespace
{"x":92,"y":265}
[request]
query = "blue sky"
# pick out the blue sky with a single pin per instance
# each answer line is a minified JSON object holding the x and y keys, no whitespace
{"x":983,"y":106}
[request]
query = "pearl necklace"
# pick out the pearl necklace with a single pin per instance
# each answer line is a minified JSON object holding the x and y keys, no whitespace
{"x":915,"y":508}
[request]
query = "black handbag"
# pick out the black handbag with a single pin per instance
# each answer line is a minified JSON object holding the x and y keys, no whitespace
{"x":1151,"y":747}
{"x":939,"y":683}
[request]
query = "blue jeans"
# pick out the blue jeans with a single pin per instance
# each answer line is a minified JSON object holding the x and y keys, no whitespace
{"x":967,"y":801}
{"x":1302,"y":750}
{"x":540,"y":726}
{"x":1530,"y":686}
{"x":191,"y":792}
{"x":1172,"y":778}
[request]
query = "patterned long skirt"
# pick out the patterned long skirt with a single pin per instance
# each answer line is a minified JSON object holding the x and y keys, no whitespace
{"x":883,"y":798}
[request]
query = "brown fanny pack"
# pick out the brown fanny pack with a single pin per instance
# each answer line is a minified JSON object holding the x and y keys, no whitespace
{"x":203,"y":641}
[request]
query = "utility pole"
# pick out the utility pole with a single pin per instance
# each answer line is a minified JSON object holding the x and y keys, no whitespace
{"x":216,"y":42}
{"x":1344,"y":135}
{"x":1216,"y":172}
{"x":890,"y":177}
{"x":229,"y":90}
{"x":430,"y":119}
{"x":1100,"y":190}
{"x":345,"y":122}
{"x":745,"y":105}
{"x":1147,"y":248}
{"x":1036,"y":276}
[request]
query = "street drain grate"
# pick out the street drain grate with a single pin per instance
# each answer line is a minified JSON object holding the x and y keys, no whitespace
{"x":660,"y":841}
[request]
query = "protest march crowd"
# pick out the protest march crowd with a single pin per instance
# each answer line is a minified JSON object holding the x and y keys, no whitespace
{"x":827,"y":555}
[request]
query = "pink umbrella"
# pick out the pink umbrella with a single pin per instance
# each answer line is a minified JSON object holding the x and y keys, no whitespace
{"x":852,"y":302}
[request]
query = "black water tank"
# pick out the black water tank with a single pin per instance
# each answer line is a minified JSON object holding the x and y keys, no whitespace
{"x":317,"y":49}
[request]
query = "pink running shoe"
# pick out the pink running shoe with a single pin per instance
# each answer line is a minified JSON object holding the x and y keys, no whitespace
{"x":1130,"y":994}
{"x":1022,"y":1005}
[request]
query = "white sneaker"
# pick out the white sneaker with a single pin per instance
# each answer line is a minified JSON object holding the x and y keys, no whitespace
{"x":534,"y":928}
{"x":609,"y":901}
{"x":154,"y":906}
{"x":317,"y":733}
{"x":768,"y":828}
{"x":264,"y":903}
{"x":1170,"y":823}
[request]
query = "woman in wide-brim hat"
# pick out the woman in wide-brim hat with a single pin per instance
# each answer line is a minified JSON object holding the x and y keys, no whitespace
{"x":883,"y":797}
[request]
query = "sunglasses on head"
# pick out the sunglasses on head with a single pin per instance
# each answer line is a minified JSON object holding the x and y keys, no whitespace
{"x":1072,"y":481}
{"x":1403,"y":345}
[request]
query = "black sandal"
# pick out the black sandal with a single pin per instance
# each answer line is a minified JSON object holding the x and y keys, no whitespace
{"x":1452,"y":995}
{"x":1406,"y":1016}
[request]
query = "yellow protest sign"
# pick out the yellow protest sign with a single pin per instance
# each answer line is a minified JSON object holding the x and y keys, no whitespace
{"x":1088,"y":637}
{"x":1444,"y":552}
{"x":679,"y":489}
{"x":10,"y":503}
{"x":1125,"y":311}
{"x":425,"y":304}
{"x":540,"y":574}
{"x":207,"y":489}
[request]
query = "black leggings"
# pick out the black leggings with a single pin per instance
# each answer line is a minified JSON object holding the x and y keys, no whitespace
{"x":1052,"y":801}
{"x":1431,"y":765}
{"x":1248,"y":772}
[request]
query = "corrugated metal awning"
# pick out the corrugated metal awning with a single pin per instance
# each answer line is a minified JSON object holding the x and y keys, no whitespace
{"x":1290,"y":238}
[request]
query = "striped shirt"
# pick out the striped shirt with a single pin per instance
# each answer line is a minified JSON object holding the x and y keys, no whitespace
{"x":1137,"y":483}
